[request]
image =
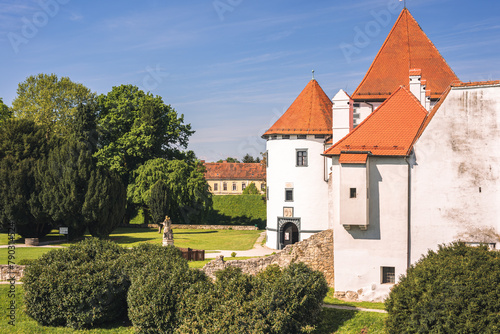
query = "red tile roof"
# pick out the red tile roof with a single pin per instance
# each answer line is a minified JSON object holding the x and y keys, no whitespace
{"x":353,"y":158}
{"x":477,"y":83}
{"x":390,"y":130}
{"x":310,"y":113}
{"x":235,"y":171}
{"x":406,"y":47}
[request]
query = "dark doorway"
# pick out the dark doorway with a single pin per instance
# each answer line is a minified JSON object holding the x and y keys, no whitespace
{"x":290,"y":234}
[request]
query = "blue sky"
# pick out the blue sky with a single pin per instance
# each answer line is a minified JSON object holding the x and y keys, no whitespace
{"x":232,"y":67}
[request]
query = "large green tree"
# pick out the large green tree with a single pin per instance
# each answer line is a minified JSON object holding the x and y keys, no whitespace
{"x":5,"y":112}
{"x":50,"y":101}
{"x":136,"y":127}
{"x":22,"y":144}
{"x":189,"y":198}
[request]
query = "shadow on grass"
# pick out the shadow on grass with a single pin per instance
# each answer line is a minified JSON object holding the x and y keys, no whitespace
{"x":333,"y":319}
{"x":200,"y":232}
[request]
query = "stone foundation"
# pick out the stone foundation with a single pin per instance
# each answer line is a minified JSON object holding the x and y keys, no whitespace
{"x":316,"y":252}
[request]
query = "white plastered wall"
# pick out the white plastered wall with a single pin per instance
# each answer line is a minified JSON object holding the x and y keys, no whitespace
{"x":360,"y":254}
{"x":456,"y":179}
{"x":310,"y":190}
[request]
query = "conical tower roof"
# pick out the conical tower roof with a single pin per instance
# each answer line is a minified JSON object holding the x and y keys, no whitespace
{"x":406,"y":47}
{"x":310,"y":113}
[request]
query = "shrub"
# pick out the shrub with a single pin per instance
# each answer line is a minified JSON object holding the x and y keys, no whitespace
{"x":238,"y":210}
{"x":276,"y":301}
{"x":79,"y":286}
{"x":453,"y":290}
{"x":156,"y":291}
{"x":251,"y":189}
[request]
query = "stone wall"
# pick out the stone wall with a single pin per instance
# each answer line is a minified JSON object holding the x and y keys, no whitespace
{"x":6,"y":273}
{"x":316,"y":252}
{"x":198,"y":227}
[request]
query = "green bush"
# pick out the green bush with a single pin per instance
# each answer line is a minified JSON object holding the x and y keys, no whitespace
{"x":156,"y":292}
{"x":238,"y":210}
{"x":453,"y":290}
{"x":80,"y":286}
{"x":276,"y":301}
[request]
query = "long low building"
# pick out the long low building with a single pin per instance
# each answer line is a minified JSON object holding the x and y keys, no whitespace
{"x":226,"y":178}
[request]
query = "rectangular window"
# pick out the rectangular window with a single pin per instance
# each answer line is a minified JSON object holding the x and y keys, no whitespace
{"x":224,"y":186}
{"x":216,"y":186}
{"x":262,"y":187}
{"x":234,"y":186}
{"x":285,"y":137}
{"x":274,"y":137}
{"x":288,"y":195}
{"x":301,"y":136}
{"x":301,"y":157}
{"x":388,"y":275}
{"x":319,"y":136}
{"x":243,"y":185}
{"x":352,"y":193}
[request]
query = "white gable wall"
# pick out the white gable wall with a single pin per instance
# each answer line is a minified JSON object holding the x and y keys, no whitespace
{"x":310,"y":190}
{"x":360,"y":254}
{"x":456,"y":181}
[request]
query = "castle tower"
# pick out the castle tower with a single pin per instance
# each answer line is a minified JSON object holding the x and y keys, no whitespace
{"x":297,"y":174}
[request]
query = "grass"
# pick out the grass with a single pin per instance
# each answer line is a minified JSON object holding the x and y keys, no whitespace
{"x":334,"y":301}
{"x":350,"y":322}
{"x":28,"y":253}
{"x":333,"y":321}
{"x":197,"y":239}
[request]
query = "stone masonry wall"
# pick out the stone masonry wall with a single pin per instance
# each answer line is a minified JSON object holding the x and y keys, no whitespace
{"x":7,"y":272}
{"x":316,"y":252}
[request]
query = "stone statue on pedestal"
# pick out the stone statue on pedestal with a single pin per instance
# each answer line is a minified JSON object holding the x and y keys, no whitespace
{"x":168,"y":235}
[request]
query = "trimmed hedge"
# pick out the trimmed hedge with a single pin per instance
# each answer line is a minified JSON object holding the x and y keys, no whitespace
{"x":453,"y":290}
{"x":238,"y":210}
{"x":275,"y":302}
{"x":80,"y":286}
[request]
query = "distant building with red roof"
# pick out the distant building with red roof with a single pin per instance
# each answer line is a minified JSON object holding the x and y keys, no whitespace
{"x":232,"y":178}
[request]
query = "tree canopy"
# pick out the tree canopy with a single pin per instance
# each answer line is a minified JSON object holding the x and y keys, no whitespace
{"x":230,"y":160}
{"x":50,"y":101}
{"x":5,"y":112}
{"x":249,"y":159}
{"x":136,"y":127}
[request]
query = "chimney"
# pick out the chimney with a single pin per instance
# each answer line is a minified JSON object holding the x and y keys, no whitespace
{"x":427,"y":100}
{"x":341,"y":115}
{"x":415,"y":84}
{"x":423,"y":87}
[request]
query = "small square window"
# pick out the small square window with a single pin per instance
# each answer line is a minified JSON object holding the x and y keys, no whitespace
{"x":234,"y":186}
{"x":288,"y":195}
{"x":302,"y":158}
{"x":388,"y":275}
{"x":216,"y":186}
{"x":352,"y":193}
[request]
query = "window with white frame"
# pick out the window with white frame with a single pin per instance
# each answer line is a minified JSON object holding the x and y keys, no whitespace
{"x":234,"y":186}
{"x":243,"y":185}
{"x":216,"y":186}
{"x":224,"y":186}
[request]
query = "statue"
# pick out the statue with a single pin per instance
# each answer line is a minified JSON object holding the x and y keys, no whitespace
{"x":168,"y":235}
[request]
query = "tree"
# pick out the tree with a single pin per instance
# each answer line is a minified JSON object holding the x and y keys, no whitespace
{"x":230,"y":160}
{"x":105,"y":202}
{"x":453,"y":290}
{"x":251,"y":189}
{"x":189,"y":196}
{"x":50,"y":101}
{"x":159,"y":202}
{"x":22,"y":144}
{"x":136,"y":127}
{"x":249,"y":159}
{"x":62,"y":178}
{"x":5,"y":112}
{"x":84,"y":126}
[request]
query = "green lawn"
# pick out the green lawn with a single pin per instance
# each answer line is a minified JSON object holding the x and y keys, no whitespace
{"x":28,"y":253}
{"x":350,"y":322}
{"x":334,"y":301}
{"x":197,"y":239}
{"x":333,"y":321}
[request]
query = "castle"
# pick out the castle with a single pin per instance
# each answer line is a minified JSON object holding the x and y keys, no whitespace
{"x":405,"y":163}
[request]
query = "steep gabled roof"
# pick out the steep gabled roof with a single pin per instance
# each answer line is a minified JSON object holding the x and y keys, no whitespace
{"x":235,"y":171}
{"x":390,"y":130}
{"x":406,"y":47}
{"x":310,"y":113}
